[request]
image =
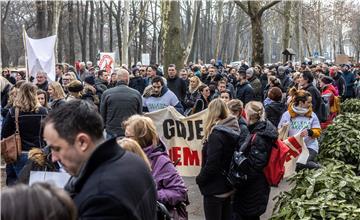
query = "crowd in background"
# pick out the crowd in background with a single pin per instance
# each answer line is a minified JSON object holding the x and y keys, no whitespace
{"x":242,"y":101}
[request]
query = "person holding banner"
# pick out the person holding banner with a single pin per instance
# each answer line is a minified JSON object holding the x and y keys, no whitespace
{"x":301,"y":118}
{"x":221,"y":137}
{"x":171,"y":189}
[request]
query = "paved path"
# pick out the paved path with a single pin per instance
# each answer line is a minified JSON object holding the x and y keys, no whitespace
{"x":195,"y":208}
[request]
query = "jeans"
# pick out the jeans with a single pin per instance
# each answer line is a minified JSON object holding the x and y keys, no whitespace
{"x":13,"y":170}
{"x":217,"y":208}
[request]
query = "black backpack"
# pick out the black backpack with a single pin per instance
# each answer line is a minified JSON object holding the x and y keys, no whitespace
{"x":324,"y":109}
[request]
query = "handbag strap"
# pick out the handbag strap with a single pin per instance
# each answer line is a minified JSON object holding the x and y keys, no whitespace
{"x":250,"y":138}
{"x":17,"y":120}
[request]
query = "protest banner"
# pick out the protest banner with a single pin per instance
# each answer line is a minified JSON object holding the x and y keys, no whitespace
{"x":298,"y":154}
{"x":182,"y":136}
{"x":40,"y":55}
{"x":107,"y":62}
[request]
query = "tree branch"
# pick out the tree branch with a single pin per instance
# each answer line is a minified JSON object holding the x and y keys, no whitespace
{"x":267,"y":6}
{"x":135,"y":27}
{"x":5,"y":13}
{"x":114,"y":14}
{"x":242,"y":6}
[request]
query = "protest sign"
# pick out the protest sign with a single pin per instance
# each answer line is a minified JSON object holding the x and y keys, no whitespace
{"x":182,"y":136}
{"x":107,"y":62}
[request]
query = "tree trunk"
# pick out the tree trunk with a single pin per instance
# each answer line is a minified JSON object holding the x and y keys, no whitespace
{"x":171,"y":27}
{"x":125,"y":34}
{"x":298,"y":31}
{"x":319,"y":30}
{"x":257,"y":41}
{"x":191,"y":37}
{"x":101,"y":34}
{"x":71,"y":57}
{"x":60,"y":37}
{"x":110,"y":28}
{"x":50,"y":17}
{"x":219,"y":21}
{"x":236,"y":54}
{"x":84,"y":29}
{"x":5,"y":53}
{"x":92,"y":55}
{"x":287,"y":28}
{"x":40,"y":19}
{"x":307,"y":42}
{"x":118,"y":30}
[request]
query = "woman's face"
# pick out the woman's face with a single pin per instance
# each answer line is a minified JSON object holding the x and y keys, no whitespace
{"x":18,"y":77}
{"x":193,"y":83}
{"x":225,"y":97}
{"x":306,"y":104}
{"x":206,"y":92}
{"x":41,"y":99}
{"x":51,"y":91}
{"x":129,"y":132}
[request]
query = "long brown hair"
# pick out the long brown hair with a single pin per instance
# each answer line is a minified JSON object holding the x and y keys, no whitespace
{"x":26,"y":98}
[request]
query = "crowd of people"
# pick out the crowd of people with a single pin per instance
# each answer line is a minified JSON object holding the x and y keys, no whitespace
{"x":87,"y":121}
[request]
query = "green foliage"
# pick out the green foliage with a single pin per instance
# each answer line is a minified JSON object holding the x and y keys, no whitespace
{"x":341,"y":140}
{"x":351,"y":105}
{"x":332,"y":192}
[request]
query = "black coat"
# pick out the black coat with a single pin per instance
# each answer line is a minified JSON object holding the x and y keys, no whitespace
{"x":252,"y":196}
{"x":29,"y":126}
{"x":245,"y":92}
{"x":178,"y":87}
{"x":217,"y":153}
{"x":118,"y":104}
{"x":114,"y":184}
{"x":138,"y":83}
{"x":316,"y":98}
{"x":274,"y":111}
{"x":244,"y":131}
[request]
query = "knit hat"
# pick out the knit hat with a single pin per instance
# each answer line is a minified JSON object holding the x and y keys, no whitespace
{"x":90,"y":80}
{"x":75,"y":86}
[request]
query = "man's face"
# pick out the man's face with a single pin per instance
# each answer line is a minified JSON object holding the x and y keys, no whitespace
{"x":157,"y":88}
{"x":65,"y":80}
{"x":171,"y":72}
{"x":203,"y":70}
{"x":70,"y":156}
{"x":212,"y":72}
{"x":40,"y":78}
{"x":142,"y":71}
{"x":184,"y":75}
{"x":105,"y":76}
{"x":222,"y":87}
{"x":58,"y":71}
{"x":150,"y":73}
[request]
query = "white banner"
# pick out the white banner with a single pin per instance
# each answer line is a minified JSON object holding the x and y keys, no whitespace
{"x":182,"y":136}
{"x":107,"y":62}
{"x":41,"y":55}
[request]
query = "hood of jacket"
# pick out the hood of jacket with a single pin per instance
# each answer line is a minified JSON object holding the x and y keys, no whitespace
{"x":277,"y":107}
{"x":155,"y":151}
{"x":264,"y":129}
{"x":229,"y":126}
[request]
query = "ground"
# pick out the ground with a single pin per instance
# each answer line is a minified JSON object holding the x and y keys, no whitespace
{"x":195,"y":208}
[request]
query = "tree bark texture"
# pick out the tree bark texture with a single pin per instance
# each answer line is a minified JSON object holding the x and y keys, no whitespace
{"x":40,"y":19}
{"x":71,"y":56}
{"x":92,"y":54}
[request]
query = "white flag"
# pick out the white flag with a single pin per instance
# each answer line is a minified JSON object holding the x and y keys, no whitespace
{"x":41,"y":55}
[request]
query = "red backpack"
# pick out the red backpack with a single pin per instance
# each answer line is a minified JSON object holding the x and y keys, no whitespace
{"x":280,"y":153}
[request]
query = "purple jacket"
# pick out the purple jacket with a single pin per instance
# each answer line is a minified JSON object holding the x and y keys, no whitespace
{"x":170,"y":186}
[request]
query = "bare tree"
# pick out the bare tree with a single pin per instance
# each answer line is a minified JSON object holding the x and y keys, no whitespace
{"x":255,"y":11}
{"x":193,"y":27}
{"x":40,"y":19}
{"x":5,"y":54}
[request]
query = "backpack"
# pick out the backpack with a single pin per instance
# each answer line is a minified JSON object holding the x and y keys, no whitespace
{"x":324,"y":109}
{"x":273,"y":171}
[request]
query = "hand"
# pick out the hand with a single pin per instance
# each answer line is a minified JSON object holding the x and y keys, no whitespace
{"x":304,"y":133}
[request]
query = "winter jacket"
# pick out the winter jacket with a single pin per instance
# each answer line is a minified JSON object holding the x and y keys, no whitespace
{"x":216,"y":157}
{"x":245,"y":92}
{"x":349,"y":81}
{"x":252,"y":197}
{"x":113,"y":184}
{"x":329,"y":90}
{"x":256,"y":85}
{"x":274,"y":111}
{"x":43,"y":86}
{"x":244,"y":131}
{"x":138,"y":83}
{"x":29,"y":126}
{"x":285,"y":83}
{"x":56,"y":103}
{"x":204,"y":78}
{"x":178,"y":87}
{"x":118,"y":104}
{"x":339,"y":83}
{"x":316,"y":98}
{"x":191,"y":98}
{"x":170,"y":186}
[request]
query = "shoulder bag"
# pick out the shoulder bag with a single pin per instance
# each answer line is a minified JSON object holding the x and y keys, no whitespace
{"x":11,"y":146}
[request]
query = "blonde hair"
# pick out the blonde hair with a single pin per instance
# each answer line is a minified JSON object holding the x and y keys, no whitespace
{"x":133,"y":146}
{"x":235,"y":106}
{"x":217,"y":111}
{"x":71,"y":74}
{"x":198,"y":83}
{"x":255,"y":112}
{"x":143,"y":129}
{"x":26,"y":98}
{"x":58,"y":90}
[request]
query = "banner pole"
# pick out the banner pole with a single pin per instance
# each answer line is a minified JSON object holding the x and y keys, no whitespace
{"x":26,"y":60}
